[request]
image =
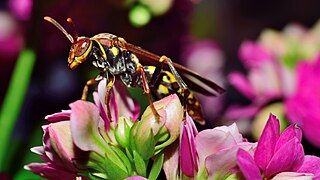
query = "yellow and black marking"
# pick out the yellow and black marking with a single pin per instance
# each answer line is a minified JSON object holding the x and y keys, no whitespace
{"x":167,"y":84}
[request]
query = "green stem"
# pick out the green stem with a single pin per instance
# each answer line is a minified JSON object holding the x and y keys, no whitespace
{"x":13,"y":101}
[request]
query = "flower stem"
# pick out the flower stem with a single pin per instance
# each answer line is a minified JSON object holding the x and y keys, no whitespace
{"x":13,"y":101}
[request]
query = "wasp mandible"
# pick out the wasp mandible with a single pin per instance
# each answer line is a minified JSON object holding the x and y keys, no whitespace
{"x":117,"y":59}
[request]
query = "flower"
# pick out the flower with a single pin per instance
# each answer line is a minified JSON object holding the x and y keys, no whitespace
{"x":273,"y":78}
{"x":217,"y":149}
{"x":158,"y":134}
{"x":278,"y":155}
{"x":58,"y":151}
{"x":262,"y":66}
{"x":303,"y":107}
{"x":114,"y":148}
{"x":208,"y":154}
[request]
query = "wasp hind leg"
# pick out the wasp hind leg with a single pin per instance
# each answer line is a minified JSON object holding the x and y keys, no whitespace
{"x":146,"y":89}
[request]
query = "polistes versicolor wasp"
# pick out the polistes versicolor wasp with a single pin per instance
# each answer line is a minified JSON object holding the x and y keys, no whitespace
{"x":157,"y":75}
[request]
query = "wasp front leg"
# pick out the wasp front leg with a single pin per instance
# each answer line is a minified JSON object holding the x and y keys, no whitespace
{"x":108,"y":95}
{"x":89,"y":83}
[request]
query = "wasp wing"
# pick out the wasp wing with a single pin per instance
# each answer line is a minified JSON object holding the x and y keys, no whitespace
{"x":194,"y":80}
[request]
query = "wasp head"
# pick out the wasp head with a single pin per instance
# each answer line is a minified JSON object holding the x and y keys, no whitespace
{"x":80,"y":46}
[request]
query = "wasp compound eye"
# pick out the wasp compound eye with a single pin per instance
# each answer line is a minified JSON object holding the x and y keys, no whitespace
{"x":81,"y":46}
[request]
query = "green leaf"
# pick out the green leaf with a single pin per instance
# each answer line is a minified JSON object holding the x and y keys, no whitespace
{"x":113,"y":170}
{"x":140,"y":164}
{"x":156,"y":167}
{"x":124,"y":159}
{"x":132,"y":137}
{"x":129,"y":154}
{"x":13,"y":102}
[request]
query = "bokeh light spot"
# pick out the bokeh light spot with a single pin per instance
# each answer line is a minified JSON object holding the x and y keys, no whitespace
{"x":139,"y":16}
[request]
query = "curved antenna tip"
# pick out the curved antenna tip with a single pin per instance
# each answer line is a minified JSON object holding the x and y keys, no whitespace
{"x":69,"y":20}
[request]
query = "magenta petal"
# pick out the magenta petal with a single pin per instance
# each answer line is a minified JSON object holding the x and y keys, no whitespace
{"x":252,"y":54}
{"x":248,"y":166}
{"x":288,"y":158}
{"x":235,"y":112}
{"x":136,"y":178}
{"x":293,"y":131}
{"x":188,"y":155}
{"x":50,"y":171}
{"x":186,"y":163}
{"x":85,"y":120}
{"x":99,"y":99}
{"x":311,"y":164}
{"x":267,"y":142}
{"x":293,"y":176}
{"x":242,"y":84}
{"x":60,"y":116}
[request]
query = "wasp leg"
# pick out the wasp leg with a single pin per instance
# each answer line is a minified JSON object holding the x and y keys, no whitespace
{"x":89,"y":83}
{"x":184,"y":88}
{"x":107,"y":100}
{"x":86,"y":88}
{"x":147,"y":90}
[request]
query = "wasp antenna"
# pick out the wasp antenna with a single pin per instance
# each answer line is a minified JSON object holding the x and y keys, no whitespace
{"x":55,"y":23}
{"x":75,"y":35}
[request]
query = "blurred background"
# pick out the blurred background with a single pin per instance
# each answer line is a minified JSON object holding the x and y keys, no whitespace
{"x":204,"y":35}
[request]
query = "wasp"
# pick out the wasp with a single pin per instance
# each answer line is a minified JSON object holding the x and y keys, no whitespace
{"x":117,"y":59}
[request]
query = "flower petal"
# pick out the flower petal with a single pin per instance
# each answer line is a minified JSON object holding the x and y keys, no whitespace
{"x":267,"y":142}
{"x":311,"y":164}
{"x":136,"y":178}
{"x":242,"y":84}
{"x":253,"y":54}
{"x":126,"y":105}
{"x":293,"y":131}
{"x":235,"y":112}
{"x":84,"y":127}
{"x":61,"y":141}
{"x":171,"y":161}
{"x":293,"y":176}
{"x":99,"y":99}
{"x":248,"y":166}
{"x":188,"y":155}
{"x":288,"y":158}
{"x":213,"y":140}
{"x":50,"y":171}
{"x":64,"y":115}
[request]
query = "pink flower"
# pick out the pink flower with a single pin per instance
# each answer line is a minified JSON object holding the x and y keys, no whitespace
{"x":72,"y":133}
{"x":114,"y":148}
{"x":210,"y":153}
{"x":276,"y":154}
{"x":21,"y":8}
{"x":267,"y":80}
{"x":217,"y":149}
{"x":303,"y":107}
{"x":58,"y":151}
